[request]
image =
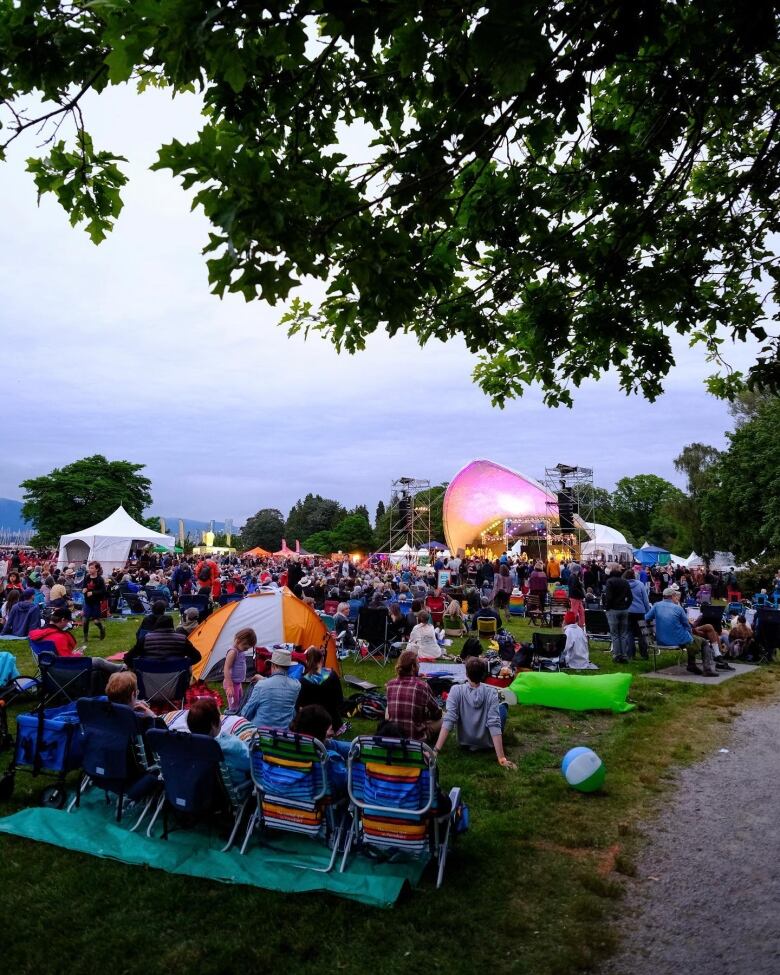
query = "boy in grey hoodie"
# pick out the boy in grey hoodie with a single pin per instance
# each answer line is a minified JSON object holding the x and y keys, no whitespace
{"x":475,"y":709}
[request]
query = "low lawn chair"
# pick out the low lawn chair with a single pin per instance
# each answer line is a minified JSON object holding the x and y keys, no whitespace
{"x":115,"y":758}
{"x":597,"y":625}
{"x":162,"y":683}
{"x":454,"y":626}
{"x":654,"y":648}
{"x":372,"y":633}
{"x":196,"y":783}
{"x":486,"y":628}
{"x":534,"y":609}
{"x":63,"y":679}
{"x":293,"y":790}
{"x":547,"y":648}
{"x":200,"y":602}
{"x":393,"y":793}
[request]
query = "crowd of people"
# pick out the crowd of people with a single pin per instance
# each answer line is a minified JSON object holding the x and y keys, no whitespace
{"x":43,"y":601}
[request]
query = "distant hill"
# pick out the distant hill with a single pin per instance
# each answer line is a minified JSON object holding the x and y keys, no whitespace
{"x":11,"y":519}
{"x":11,"y":515}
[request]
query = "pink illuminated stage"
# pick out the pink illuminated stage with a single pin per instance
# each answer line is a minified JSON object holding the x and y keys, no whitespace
{"x":484,"y":493}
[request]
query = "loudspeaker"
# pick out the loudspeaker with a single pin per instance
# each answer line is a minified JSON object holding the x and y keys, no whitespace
{"x":566,"y":511}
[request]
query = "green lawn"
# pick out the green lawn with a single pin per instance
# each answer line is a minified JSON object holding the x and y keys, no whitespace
{"x":531,"y":888}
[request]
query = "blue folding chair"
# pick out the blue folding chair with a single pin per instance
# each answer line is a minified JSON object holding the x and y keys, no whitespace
{"x":162,"y":683}
{"x":196,"y":782}
{"x":293,"y":790}
{"x":200,"y":602}
{"x":395,"y":804}
{"x":115,"y":758}
{"x":230,"y":597}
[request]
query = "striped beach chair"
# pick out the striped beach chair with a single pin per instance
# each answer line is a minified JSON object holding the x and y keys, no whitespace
{"x":395,"y":803}
{"x":292,"y":790}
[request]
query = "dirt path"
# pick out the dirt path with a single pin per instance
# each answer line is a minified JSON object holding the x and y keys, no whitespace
{"x":707,"y":890}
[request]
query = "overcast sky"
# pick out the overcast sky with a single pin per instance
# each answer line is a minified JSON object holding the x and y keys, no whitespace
{"x":121,"y":349}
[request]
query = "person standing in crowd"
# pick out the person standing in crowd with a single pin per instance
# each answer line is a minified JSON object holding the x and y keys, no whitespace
{"x":537,"y":584}
{"x":234,"y":673}
{"x":95,"y":593}
{"x":637,"y":611}
{"x":617,"y":600}
{"x":577,"y":594}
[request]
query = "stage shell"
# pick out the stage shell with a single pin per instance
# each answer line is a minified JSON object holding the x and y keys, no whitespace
{"x":482,"y":493}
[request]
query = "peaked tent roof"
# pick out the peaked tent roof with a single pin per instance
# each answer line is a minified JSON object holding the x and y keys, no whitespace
{"x":276,"y":616}
{"x":121,"y":525}
{"x":110,"y":540}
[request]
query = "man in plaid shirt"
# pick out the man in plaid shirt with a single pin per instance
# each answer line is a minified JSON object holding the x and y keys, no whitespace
{"x":410,"y":703}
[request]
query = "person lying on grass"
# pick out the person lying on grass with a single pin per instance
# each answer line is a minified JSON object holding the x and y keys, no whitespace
{"x":474,"y":708}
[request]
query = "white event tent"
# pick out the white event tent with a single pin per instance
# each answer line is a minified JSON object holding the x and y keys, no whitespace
{"x":110,"y":541}
{"x":606,"y":542}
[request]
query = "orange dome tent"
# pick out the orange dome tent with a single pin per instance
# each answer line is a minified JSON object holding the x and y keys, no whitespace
{"x":276,"y":616}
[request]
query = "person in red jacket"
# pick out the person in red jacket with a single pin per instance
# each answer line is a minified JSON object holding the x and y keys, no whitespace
{"x":212,"y":582}
{"x":58,"y":632}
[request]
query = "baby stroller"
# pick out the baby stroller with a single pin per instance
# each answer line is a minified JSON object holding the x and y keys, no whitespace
{"x":48,"y":740}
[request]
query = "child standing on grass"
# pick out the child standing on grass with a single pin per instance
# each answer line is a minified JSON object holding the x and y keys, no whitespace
{"x":234,"y":679}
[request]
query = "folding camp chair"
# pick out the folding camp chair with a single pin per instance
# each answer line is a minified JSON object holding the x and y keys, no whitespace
{"x":534,"y":609}
{"x":394,"y":799}
{"x":355,"y":605}
{"x":454,"y":626}
{"x":196,"y":782}
{"x":63,"y":679}
{"x":766,"y":628}
{"x":435,"y":606}
{"x":597,"y":625}
{"x":654,"y":648}
{"x":200,"y":602}
{"x":372,"y":632}
{"x":293,"y":790}
{"x":162,"y":683}
{"x":154,"y":595}
{"x":329,"y":621}
{"x":486,"y":627}
{"x":330,"y":607}
{"x":230,"y":597}
{"x":547,"y":650}
{"x":115,"y":757}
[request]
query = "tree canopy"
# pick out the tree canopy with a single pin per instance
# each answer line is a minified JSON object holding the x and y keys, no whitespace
{"x":311,"y":515}
{"x":78,"y":495}
{"x":565,"y":184}
{"x":265,"y":528}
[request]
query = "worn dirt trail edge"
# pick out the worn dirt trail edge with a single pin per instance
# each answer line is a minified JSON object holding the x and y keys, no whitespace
{"x":706,"y":894}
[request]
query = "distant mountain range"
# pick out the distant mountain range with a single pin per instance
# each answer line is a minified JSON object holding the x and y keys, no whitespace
{"x":11,"y":520}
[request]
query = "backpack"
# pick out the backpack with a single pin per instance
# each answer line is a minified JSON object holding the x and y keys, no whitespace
{"x":506,"y":644}
{"x":205,"y":573}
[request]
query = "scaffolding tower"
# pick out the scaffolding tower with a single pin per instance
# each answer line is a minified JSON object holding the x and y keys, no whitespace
{"x":569,"y":518}
{"x":410,"y":513}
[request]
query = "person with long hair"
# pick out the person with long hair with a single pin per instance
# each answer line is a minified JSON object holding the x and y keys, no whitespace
{"x":95,"y":592}
{"x":234,"y":673}
{"x":320,"y":685}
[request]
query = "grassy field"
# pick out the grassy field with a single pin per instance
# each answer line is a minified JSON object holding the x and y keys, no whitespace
{"x":530,"y":889}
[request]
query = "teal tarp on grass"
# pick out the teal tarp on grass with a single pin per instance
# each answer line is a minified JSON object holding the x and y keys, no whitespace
{"x":194,"y":853}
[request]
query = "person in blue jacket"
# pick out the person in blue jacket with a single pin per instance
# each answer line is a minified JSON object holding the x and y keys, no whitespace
{"x":673,"y":629}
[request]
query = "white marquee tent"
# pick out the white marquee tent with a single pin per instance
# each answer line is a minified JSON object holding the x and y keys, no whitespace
{"x":606,"y":542}
{"x":110,"y":541}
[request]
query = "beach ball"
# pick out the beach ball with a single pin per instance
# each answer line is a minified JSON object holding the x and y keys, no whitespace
{"x":583,"y":769}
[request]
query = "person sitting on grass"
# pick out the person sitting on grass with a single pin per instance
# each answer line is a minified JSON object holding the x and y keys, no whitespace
{"x":474,"y":708}
{"x":576,"y":653}
{"x":315,"y":720}
{"x":203,"y":719}
{"x":423,"y":638}
{"x":410,"y":703}
{"x":24,"y":617}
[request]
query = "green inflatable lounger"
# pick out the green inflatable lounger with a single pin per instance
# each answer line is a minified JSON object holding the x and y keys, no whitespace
{"x":601,"y":692}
